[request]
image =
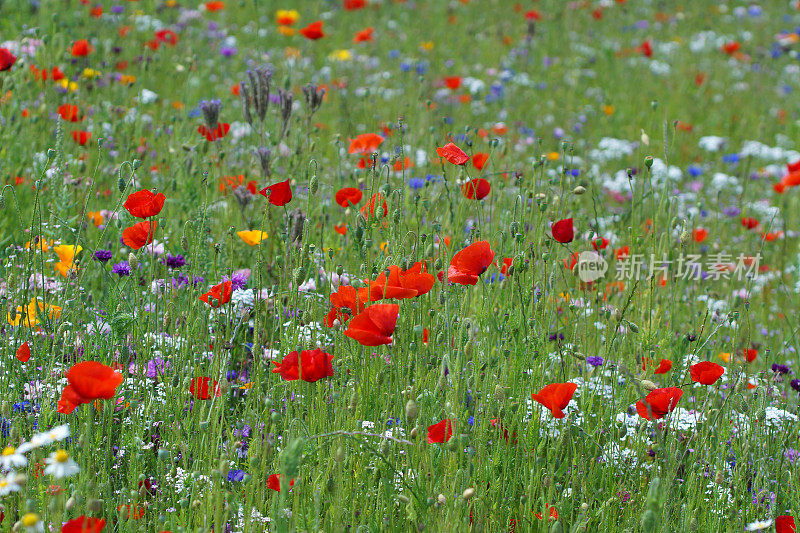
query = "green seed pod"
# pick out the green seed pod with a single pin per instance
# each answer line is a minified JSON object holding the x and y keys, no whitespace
{"x":648,"y":162}
{"x":313,"y":186}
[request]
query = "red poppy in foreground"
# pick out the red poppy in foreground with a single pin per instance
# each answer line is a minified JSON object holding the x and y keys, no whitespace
{"x":479,"y":160}
{"x":398,"y":284}
{"x":144,"y":203}
{"x":706,"y":372}
{"x":274,"y":482}
{"x":219,"y":132}
{"x":81,"y":137}
{"x":505,"y":266}
{"x":469,"y":263}
{"x":364,"y":36}
{"x":453,"y":154}
{"x":313,"y":31}
{"x":204,"y":388}
{"x":7,"y":59}
{"x":88,"y":381}
{"x":660,"y":401}
{"x":140,"y":234}
{"x":556,"y":397}
{"x":348,"y":196}
{"x":750,"y":355}
{"x":563,"y":231}
{"x":664,"y":366}
{"x":344,"y":297}
{"x":308,"y":365}
{"x":476,"y":189}
{"x":278,"y":194}
{"x":366,"y":143}
{"x":785,"y":524}
{"x":84,"y":524}
{"x":374,"y":325}
{"x":219,"y":294}
{"x":440,"y":432}
{"x":24,"y":352}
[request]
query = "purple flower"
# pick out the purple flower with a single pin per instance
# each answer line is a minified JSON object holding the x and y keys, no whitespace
{"x":594,"y":360}
{"x":175,"y":261}
{"x":121,"y":269}
{"x":780,"y":369}
{"x":156,"y":366}
{"x":102,"y":255}
{"x":796,"y":384}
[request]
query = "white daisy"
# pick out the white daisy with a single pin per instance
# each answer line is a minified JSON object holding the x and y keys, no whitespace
{"x":12,"y":457}
{"x":32,"y":523}
{"x":46,"y":438}
{"x":60,"y":464}
{"x":9,"y":484}
{"x":758,"y":525}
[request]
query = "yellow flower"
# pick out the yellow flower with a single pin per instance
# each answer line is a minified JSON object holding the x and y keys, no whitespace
{"x":126,"y":79}
{"x":71,"y":86}
{"x":553,"y":156}
{"x":341,"y":55}
{"x":609,"y":110}
{"x":41,"y":245}
{"x":252,"y":237}
{"x":33,"y":312}
{"x":286,"y":30}
{"x":90,"y":73}
{"x":724,"y":356}
{"x":291,"y":52}
{"x":286,"y":17}
{"x":426,"y":45}
{"x":384,"y":247}
{"x":96,"y":217}
{"x":66,"y":255}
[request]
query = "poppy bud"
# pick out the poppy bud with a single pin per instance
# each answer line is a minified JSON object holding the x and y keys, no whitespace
{"x":556,"y":528}
{"x":70,"y":505}
{"x":648,"y":161}
{"x":121,"y":184}
{"x":2,"y":201}
{"x":411,"y":411}
{"x":339,"y":454}
{"x":136,"y":163}
{"x":648,"y":385}
{"x":634,"y":328}
{"x":94,"y":506}
{"x":51,"y":153}
{"x":403,"y":498}
{"x":468,"y":494}
{"x":579,"y":190}
{"x":133,"y":261}
{"x":685,"y":236}
{"x":648,"y":521}
{"x":313,"y":186}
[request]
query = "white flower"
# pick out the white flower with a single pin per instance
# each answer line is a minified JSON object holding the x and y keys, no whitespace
{"x":9,"y":484}
{"x":758,"y":526}
{"x":45,"y":438}
{"x":32,"y":523}
{"x":12,"y":458}
{"x":60,"y":464}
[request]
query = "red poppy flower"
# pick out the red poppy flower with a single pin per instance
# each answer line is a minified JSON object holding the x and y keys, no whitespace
{"x":660,"y":401}
{"x":204,"y":388}
{"x":215,"y":6}
{"x":7,"y":59}
{"x":706,"y":372}
{"x":348,"y":196}
{"x":750,"y":355}
{"x":563,"y":231}
{"x":398,"y":284}
{"x":219,"y":132}
{"x":24,"y":352}
{"x":785,"y":524}
{"x":366,"y":143}
{"x":646,"y":49}
{"x":551,"y":511}
{"x":341,"y":230}
{"x":374,"y":325}
{"x":479,"y":160}
{"x":700,"y":234}
{"x":274,"y":482}
{"x":308,"y":365}
{"x":313,"y":31}
{"x":81,"y":137}
{"x":131,"y":511}
{"x":749,"y":222}
{"x":440,"y":432}
{"x":69,"y":113}
{"x":497,"y":424}
{"x":556,"y":397}
{"x":533,"y":15}
{"x":167,"y":36}
{"x":664,"y":366}
{"x":368,"y":210}
{"x":506,"y":265}
{"x":363,"y":36}
{"x":793,"y":167}
{"x":219,"y":294}
{"x":453,"y":154}
{"x":352,"y":5}
{"x":476,"y":189}
{"x":84,"y":524}
{"x":88,"y":381}
{"x":452,"y":82}
{"x":731,"y":48}
{"x":81,"y":48}
{"x":469,"y":263}
{"x":345,"y":296}
{"x":600,"y":243}
{"x":140,"y":234}
{"x":144,"y":203}
{"x":278,"y":194}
